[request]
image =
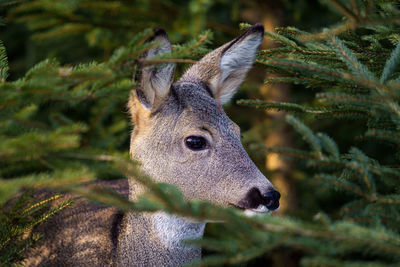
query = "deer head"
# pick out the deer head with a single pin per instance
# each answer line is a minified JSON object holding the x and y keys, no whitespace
{"x":183,"y":137}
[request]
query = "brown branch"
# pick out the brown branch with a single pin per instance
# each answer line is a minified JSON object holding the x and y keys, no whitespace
{"x":322,"y":35}
{"x":147,"y":62}
{"x":344,"y":10}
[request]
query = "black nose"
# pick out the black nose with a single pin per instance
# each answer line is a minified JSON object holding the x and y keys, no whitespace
{"x":271,"y":199}
{"x":254,"y":198}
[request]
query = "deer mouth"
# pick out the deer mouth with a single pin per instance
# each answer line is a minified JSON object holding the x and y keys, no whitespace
{"x":260,"y":210}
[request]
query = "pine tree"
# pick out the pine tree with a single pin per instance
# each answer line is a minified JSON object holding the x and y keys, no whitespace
{"x":62,"y":125}
{"x":353,"y":66}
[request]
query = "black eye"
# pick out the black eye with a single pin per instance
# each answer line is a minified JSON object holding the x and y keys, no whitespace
{"x":196,"y":142}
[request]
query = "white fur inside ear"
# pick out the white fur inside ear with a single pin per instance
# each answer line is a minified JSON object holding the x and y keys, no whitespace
{"x":240,"y":55}
{"x":156,"y":80}
{"x":235,"y":63}
{"x":162,"y":79}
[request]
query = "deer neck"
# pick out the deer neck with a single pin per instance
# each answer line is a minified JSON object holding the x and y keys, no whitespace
{"x":155,"y":239}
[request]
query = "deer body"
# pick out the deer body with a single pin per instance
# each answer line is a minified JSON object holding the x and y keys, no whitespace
{"x":182,"y":137}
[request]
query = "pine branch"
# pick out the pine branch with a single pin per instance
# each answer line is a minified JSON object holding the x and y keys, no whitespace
{"x":344,"y":185}
{"x":344,"y":10}
{"x":307,"y":134}
{"x":335,"y":30}
{"x":386,"y":135}
{"x":324,"y":73}
{"x":17,"y":221}
{"x":290,"y":107}
{"x":359,"y":164}
{"x":64,"y":180}
{"x":391,"y":64}
{"x":3,"y":63}
{"x":333,"y":262}
{"x":257,"y":228}
{"x":329,"y":145}
{"x":350,"y":59}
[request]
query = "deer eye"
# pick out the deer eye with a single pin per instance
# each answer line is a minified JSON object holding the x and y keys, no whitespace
{"x":196,"y":142}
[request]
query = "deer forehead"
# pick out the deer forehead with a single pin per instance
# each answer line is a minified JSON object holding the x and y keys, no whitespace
{"x":191,"y":105}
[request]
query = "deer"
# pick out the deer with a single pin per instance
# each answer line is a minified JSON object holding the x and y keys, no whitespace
{"x":183,"y":137}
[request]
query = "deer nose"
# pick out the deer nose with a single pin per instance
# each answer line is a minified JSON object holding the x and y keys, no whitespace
{"x":254,"y":198}
{"x":271,"y":199}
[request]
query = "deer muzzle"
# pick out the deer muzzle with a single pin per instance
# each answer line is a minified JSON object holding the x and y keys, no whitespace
{"x":258,"y":201}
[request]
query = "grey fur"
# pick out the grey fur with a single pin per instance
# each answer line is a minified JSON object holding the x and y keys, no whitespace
{"x":154,"y":81}
{"x":164,"y":116}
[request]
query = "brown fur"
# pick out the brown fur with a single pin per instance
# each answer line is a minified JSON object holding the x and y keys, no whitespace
{"x":78,"y":236}
{"x":139,"y":115}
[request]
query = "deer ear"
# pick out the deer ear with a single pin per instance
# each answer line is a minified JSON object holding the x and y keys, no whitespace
{"x":225,"y":68}
{"x":155,"y":80}
{"x":236,"y":60}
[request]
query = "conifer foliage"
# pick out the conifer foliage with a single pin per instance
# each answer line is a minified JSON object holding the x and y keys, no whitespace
{"x":354,"y":67}
{"x":62,"y":125}
{"x":59,"y":128}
